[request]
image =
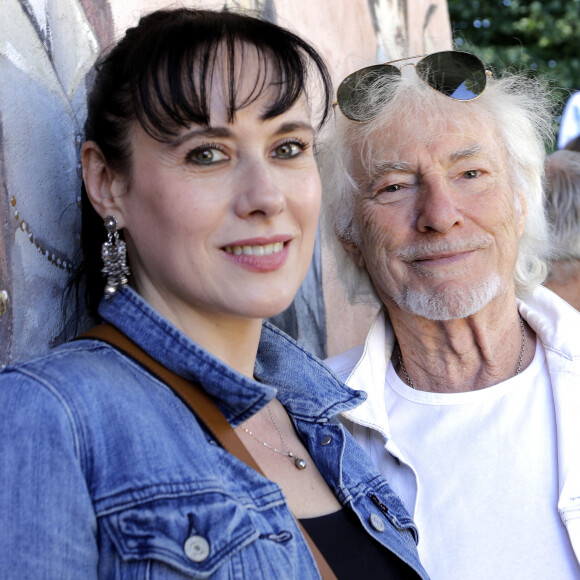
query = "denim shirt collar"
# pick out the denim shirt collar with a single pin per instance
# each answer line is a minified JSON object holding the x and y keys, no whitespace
{"x":303,"y":384}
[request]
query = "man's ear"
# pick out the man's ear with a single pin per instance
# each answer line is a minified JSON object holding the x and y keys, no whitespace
{"x":351,"y":248}
{"x":104,"y":186}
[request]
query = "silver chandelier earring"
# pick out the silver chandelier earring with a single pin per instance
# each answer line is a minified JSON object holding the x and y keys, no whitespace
{"x":114,"y":255}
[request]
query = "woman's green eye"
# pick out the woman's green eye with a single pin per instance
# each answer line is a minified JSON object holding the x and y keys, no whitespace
{"x":287,"y":150}
{"x":206,"y":155}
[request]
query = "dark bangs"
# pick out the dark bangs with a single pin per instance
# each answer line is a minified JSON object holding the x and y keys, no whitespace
{"x":171,"y":81}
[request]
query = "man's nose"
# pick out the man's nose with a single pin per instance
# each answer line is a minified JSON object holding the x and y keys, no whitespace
{"x":437,"y":207}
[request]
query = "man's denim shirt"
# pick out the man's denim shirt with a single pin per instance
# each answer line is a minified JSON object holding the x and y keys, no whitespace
{"x":107,"y":474}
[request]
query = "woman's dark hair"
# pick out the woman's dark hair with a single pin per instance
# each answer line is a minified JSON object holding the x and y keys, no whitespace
{"x":160,"y":75}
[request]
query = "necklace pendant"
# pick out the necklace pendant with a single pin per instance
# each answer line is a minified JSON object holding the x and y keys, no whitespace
{"x":299,"y":463}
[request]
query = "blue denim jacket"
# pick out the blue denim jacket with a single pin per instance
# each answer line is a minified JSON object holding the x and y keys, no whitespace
{"x":107,"y":474}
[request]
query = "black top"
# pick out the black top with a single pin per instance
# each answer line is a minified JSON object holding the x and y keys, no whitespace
{"x":351,"y":552}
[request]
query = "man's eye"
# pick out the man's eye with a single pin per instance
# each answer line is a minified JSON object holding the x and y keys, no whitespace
{"x":289,"y":149}
{"x":394,"y":192}
{"x":206,"y":155}
{"x":391,"y":188}
{"x":471,"y":174}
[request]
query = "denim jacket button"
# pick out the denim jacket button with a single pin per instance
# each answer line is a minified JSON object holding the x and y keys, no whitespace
{"x":196,"y":548}
{"x":377,"y":523}
{"x":326,"y":440}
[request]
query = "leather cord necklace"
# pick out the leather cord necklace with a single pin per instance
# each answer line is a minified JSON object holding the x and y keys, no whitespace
{"x":520,"y":360}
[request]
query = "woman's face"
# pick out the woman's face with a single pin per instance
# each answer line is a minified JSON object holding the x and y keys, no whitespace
{"x":222,"y":220}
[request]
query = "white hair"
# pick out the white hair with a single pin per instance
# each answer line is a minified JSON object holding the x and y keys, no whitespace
{"x":519,"y":108}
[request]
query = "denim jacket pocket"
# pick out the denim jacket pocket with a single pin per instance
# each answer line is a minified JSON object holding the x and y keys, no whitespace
{"x":194,"y":533}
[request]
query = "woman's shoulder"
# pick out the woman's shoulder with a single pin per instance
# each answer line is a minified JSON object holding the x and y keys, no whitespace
{"x":63,"y":361}
{"x":86,"y":392}
{"x":75,"y":373}
{"x":53,"y":397}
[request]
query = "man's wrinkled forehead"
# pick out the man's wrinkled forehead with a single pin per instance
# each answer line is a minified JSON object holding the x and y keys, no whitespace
{"x":378,"y":167}
{"x":455,"y":133}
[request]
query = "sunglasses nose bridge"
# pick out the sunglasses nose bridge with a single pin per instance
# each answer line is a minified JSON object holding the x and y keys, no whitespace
{"x":407,"y":68}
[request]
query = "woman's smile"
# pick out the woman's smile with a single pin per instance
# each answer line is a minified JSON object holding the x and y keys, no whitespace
{"x":259,"y":257}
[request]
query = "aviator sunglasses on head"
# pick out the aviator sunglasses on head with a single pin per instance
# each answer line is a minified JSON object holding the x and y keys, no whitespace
{"x":459,"y":75}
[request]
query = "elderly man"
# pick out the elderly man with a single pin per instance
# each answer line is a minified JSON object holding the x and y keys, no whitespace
{"x":472,"y":368}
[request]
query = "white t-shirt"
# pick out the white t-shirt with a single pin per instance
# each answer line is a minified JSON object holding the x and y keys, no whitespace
{"x":487,"y":483}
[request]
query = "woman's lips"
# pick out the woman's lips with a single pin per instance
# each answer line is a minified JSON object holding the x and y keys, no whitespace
{"x":259,"y":256}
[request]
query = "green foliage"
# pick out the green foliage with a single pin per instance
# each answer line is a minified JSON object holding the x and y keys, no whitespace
{"x":539,"y":37}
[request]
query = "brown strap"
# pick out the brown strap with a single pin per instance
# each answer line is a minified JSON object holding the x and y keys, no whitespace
{"x":203,"y":407}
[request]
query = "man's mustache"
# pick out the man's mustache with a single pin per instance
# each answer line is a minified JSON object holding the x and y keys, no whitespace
{"x":428,"y":249}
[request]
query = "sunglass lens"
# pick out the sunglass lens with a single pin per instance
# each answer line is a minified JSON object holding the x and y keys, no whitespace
{"x":353,"y":93}
{"x":459,"y":75}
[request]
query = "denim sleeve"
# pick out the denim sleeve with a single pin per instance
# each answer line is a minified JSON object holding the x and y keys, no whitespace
{"x":47,"y":521}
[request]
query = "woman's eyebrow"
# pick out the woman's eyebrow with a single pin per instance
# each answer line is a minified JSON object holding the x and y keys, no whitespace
{"x":217,"y":132}
{"x":204,"y":132}
{"x":290,"y":126}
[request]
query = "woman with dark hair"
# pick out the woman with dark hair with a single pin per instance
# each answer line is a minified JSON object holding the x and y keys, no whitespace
{"x":183,"y":437}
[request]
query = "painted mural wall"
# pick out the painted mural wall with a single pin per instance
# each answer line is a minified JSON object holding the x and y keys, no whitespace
{"x":47,"y":48}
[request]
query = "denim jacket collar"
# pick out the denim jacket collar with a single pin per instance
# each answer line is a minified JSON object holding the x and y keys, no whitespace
{"x":310,"y":387}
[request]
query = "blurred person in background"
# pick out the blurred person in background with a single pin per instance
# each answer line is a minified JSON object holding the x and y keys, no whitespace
{"x":563,"y":209}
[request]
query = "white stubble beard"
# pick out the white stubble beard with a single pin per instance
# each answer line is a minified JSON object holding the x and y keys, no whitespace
{"x":449,"y":303}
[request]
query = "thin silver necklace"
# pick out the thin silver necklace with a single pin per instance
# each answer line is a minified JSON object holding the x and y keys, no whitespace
{"x":520,"y":360}
{"x":299,"y":463}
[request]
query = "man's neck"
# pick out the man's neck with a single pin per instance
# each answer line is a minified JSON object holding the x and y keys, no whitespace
{"x":462,"y":355}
